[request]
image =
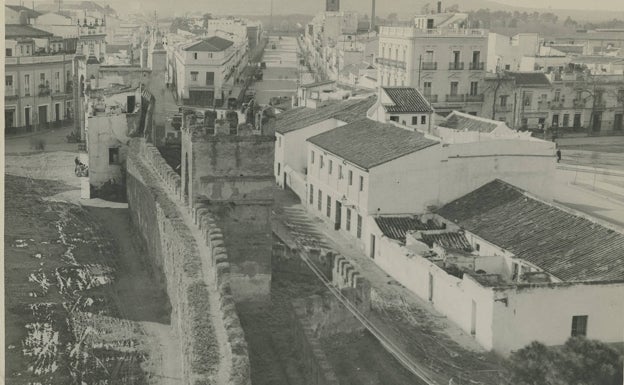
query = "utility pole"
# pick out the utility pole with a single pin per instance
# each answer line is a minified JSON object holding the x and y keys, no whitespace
{"x":271,"y":17}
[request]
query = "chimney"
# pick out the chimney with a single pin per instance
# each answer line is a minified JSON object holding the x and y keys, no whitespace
{"x":439,"y":7}
{"x":372,"y":20}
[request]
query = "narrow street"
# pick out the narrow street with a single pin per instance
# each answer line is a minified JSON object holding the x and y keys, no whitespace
{"x":283,"y":70}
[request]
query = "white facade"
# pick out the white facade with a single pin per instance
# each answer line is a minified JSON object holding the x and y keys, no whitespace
{"x":504,"y":319}
{"x":506,"y":53}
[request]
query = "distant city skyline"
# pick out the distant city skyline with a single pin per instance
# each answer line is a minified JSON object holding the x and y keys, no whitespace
{"x":384,"y":8}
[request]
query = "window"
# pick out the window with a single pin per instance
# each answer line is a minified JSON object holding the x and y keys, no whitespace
{"x":456,"y":58}
{"x":91,"y":49}
{"x":474,"y":88}
{"x":428,"y":56}
{"x":57,"y":81}
{"x":321,"y":161}
{"x":454,"y":88}
{"x":195,"y":55}
{"x":312,"y":157}
{"x":8,"y":52}
{"x":427,"y":88}
{"x":555,"y":120}
{"x":311,"y":194}
{"x":350,"y":178}
{"x":279,"y":141}
{"x":503,"y":100}
{"x":339,"y":171}
{"x":113,"y":155}
{"x":21,"y":49}
{"x":331,"y":166}
{"x":423,"y":119}
{"x":359,"y":226}
{"x":42,"y":79}
{"x":577,"y":120}
{"x":557,"y":96}
{"x":26,"y":85}
{"x":328,"y":206}
{"x":348,"y":219}
{"x":394,"y":118}
{"x":194,"y":76}
{"x":278,"y":168}
{"x":566,"y":120}
{"x":209,"y":78}
{"x":579,"y":325}
{"x":320,"y":199}
{"x":361,"y":183}
{"x":476,"y":57}
{"x":526,"y":101}
{"x":28,"y":50}
{"x":8,"y":81}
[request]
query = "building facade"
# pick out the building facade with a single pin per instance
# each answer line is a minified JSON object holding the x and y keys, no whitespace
{"x":205,"y":71}
{"x":446,"y":64}
{"x":38,"y":80}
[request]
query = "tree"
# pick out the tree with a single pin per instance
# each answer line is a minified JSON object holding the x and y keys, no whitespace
{"x":453,"y":8}
{"x":579,"y":362}
{"x":393,"y":17}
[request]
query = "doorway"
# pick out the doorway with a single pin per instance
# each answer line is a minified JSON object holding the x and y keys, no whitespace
{"x":430,"y":287}
{"x":130,"y":103}
{"x":9,"y":120}
{"x":43,"y":115}
{"x":597,"y":121}
{"x":473,"y":318}
{"x":372,"y":247}
{"x":27,"y":117}
{"x":338,"y":215}
{"x":57,"y":112}
{"x":617,"y":122}
{"x":285,"y":185}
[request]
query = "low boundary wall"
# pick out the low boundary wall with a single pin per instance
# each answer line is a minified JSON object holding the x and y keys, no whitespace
{"x":152,"y":187}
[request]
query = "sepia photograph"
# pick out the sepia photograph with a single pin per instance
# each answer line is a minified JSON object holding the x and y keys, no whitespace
{"x":312,"y":192}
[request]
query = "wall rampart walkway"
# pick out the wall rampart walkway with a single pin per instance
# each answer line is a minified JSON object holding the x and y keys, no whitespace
{"x":189,"y":248}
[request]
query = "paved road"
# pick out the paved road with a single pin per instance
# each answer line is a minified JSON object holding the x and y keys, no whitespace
{"x":282,"y":72}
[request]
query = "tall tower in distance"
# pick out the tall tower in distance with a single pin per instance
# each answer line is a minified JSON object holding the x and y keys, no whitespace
{"x":332,"y":5}
{"x":372,"y":19}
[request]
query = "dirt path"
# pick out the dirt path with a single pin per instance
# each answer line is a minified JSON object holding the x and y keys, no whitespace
{"x":141,"y":296}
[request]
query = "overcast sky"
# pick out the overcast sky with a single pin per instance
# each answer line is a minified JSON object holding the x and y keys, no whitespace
{"x":363,"y":6}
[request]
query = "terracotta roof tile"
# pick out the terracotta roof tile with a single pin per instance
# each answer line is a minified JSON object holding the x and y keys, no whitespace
{"x":568,"y":246}
{"x":465,"y":122}
{"x":451,"y":240}
{"x":368,"y":143}
{"x":211,"y":44}
{"x":406,"y":100}
{"x":298,"y":118}
{"x":395,"y":227}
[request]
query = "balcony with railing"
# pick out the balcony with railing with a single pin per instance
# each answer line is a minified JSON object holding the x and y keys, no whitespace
{"x":504,"y":108}
{"x":578,"y":103}
{"x":477,"y":66}
{"x":10,"y":93}
{"x":407,"y":32}
{"x":600,"y":105}
{"x":457,"y":66}
{"x":557,"y":104}
{"x":44,"y":90}
{"x":455,"y":98}
{"x":474,"y":98}
{"x":431,"y":98}
{"x":429,"y":66}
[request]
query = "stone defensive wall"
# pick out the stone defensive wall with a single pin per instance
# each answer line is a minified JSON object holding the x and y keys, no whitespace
{"x":156,"y":208}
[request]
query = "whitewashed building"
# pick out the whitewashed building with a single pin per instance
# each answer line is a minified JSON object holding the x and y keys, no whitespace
{"x":509,"y":268}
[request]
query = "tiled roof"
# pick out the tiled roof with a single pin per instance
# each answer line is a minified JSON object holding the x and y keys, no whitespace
{"x":13,"y":31}
{"x":568,"y":246}
{"x":368,"y":143}
{"x":211,"y":44}
{"x":297,"y":118}
{"x":465,"y":122}
{"x":530,"y":78}
{"x":317,"y":84}
{"x":406,"y":100}
{"x":395,"y":227}
{"x":455,"y":240}
{"x":31,"y":13}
